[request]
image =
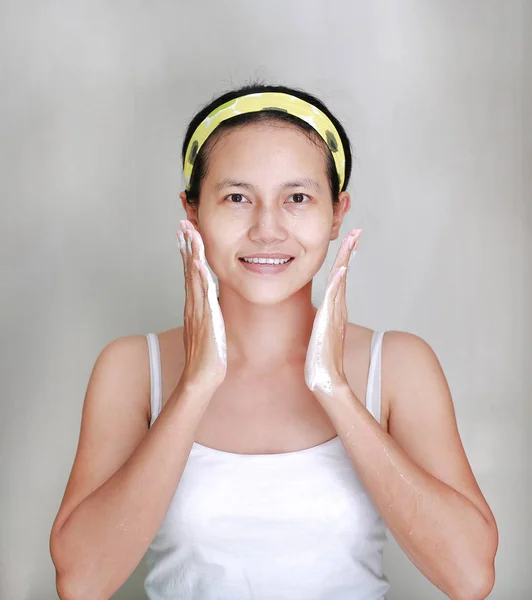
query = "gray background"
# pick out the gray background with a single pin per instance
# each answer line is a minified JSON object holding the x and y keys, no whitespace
{"x":436,"y":96}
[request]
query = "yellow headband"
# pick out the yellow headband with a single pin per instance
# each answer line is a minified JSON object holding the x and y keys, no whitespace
{"x":264,"y":101}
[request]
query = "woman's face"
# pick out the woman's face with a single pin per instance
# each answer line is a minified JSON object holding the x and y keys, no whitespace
{"x":266,"y":191}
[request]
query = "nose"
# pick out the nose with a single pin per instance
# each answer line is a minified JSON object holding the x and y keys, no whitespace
{"x":268,"y":227}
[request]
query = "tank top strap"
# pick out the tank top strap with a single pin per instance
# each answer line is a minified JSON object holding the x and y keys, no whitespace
{"x":373,"y":391}
{"x":156,"y":391}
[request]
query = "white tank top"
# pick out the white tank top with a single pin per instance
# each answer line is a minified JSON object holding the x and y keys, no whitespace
{"x":296,"y":525}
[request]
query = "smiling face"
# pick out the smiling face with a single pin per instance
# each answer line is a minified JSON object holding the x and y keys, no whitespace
{"x":266,"y":192}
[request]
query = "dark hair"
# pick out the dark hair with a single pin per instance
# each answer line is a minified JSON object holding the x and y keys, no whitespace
{"x":201,"y":161}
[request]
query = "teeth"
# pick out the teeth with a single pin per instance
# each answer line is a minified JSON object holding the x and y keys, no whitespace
{"x":267,"y":261}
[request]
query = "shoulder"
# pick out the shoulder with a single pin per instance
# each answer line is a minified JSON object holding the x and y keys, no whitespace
{"x":406,"y":354}
{"x":122,"y":369}
{"x":413,"y":380}
{"x":126,"y":357}
{"x":411,"y":373}
{"x":129,"y":355}
{"x":398,"y":345}
{"x":124,"y":363}
{"x":399,"y":342}
{"x":127,"y":351}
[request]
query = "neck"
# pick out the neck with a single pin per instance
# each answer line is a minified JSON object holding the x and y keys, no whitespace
{"x":265,"y":335}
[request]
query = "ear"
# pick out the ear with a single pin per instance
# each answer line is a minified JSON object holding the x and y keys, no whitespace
{"x":340,"y":210}
{"x":192,"y":211}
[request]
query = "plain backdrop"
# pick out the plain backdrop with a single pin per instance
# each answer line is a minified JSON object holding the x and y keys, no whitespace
{"x":95,"y":99}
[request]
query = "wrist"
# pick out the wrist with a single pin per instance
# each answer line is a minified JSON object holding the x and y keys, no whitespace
{"x":196,"y":389}
{"x":339,"y":395}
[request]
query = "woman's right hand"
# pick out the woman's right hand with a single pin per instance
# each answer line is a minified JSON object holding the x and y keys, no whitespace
{"x":204,"y":329}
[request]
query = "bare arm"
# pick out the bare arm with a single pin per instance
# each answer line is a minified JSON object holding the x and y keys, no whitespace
{"x":418,"y":474}
{"x":124,"y":474}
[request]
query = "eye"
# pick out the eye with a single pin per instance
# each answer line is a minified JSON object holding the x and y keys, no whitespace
{"x":299,"y":198}
{"x":238,"y":201}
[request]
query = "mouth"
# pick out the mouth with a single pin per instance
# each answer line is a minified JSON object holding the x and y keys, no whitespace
{"x":266,"y":268}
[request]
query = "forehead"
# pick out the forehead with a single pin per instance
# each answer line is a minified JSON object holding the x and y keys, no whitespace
{"x":268,"y":143}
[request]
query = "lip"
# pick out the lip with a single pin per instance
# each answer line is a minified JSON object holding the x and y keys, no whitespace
{"x":265,"y":269}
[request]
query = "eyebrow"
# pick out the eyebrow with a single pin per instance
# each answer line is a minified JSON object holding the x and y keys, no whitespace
{"x":306,"y":182}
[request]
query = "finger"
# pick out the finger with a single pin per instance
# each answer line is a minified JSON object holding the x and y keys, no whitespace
{"x":187,"y":227}
{"x":333,"y":285}
{"x":187,"y":234}
{"x":195,"y":280}
{"x":213,"y":307}
{"x":184,"y":230}
{"x":197,"y":245}
{"x":331,"y":295}
{"x":189,"y":291}
{"x":196,"y":242}
{"x":198,"y":253}
{"x":341,"y":291}
{"x":182,"y":249}
{"x":189,"y":238}
{"x":201,"y":246}
{"x":203,"y":281}
{"x":339,"y":299}
{"x":193,"y":243}
{"x":354,"y":246}
{"x":344,"y":252}
{"x":343,"y":287}
{"x":339,"y":286}
{"x":188,"y":307}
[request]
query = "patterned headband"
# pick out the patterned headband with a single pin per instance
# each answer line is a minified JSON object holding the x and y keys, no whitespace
{"x":267,"y":101}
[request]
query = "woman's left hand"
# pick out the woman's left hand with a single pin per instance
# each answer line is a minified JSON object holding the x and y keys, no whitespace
{"x":324,"y":369}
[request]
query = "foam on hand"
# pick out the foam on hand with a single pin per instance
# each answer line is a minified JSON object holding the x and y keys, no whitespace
{"x":216,"y":311}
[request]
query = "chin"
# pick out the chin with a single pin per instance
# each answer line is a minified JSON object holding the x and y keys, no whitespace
{"x":268,"y":297}
{"x":267,"y":293}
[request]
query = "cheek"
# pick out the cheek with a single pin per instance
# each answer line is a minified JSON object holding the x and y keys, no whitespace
{"x":220,"y":240}
{"x":315,"y":235}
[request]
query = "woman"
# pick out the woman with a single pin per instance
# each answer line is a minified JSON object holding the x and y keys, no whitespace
{"x":262,"y":450}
